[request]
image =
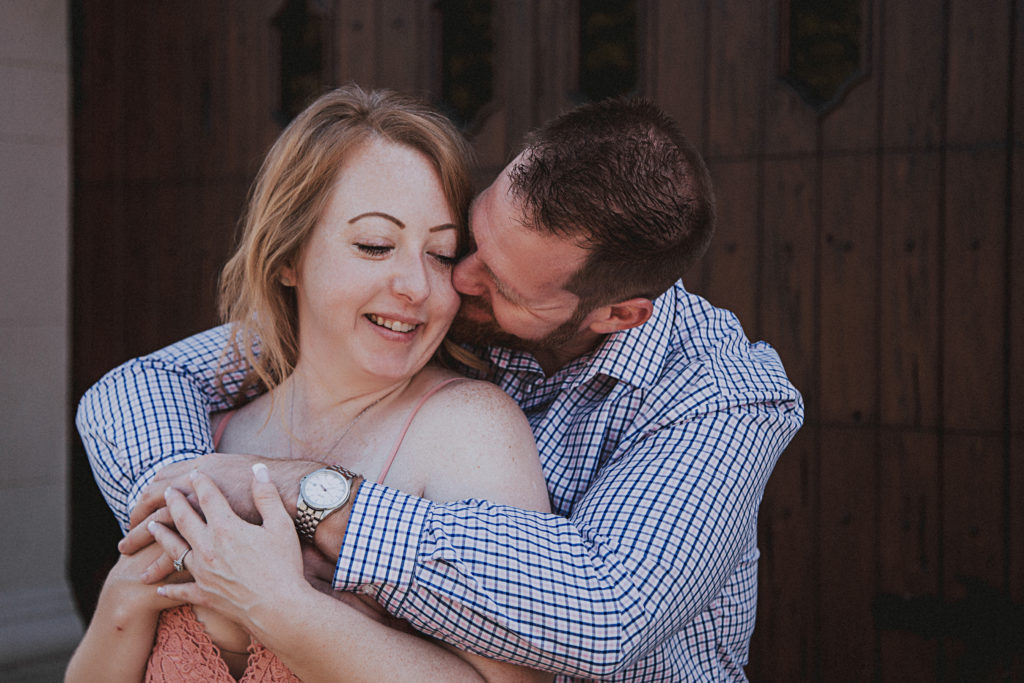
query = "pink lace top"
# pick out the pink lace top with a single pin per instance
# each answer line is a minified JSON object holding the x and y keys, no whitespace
{"x":183,"y":651}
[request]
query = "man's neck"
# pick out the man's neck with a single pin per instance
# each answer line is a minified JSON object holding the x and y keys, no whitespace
{"x":552,"y":360}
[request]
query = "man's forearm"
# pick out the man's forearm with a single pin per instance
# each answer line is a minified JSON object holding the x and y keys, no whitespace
{"x":152,"y":411}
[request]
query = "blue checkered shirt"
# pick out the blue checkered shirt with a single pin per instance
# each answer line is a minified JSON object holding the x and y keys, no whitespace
{"x":656,"y":449}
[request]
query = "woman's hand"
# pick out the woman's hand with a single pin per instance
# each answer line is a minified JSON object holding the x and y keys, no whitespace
{"x":124,"y":587}
{"x":242,"y":570}
{"x":117,"y":643}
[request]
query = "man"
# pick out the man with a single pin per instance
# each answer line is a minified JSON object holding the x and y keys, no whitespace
{"x":657,"y":422}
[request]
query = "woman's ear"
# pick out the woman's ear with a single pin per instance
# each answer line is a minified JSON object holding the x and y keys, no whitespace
{"x":621,"y":316}
{"x":287,"y":276}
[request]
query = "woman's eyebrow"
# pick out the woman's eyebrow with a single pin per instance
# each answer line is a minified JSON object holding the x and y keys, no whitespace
{"x":400,"y":224}
{"x":378,"y":214}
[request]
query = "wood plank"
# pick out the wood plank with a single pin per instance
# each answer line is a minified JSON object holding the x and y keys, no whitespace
{"x":784,"y":646}
{"x":676,"y":71}
{"x":976,"y":604}
{"x":557,"y":40}
{"x":245,"y":89}
{"x":1016,"y":549}
{"x":730,"y":267}
{"x":515,"y":64}
{"x":908,"y":543}
{"x":978,"y":72}
{"x":791,"y":125}
{"x":1017,"y":244}
{"x":910,"y":280}
{"x":735,"y":80}
{"x":99,"y":93}
{"x":854,"y":123}
{"x":788,"y":259}
{"x":356,"y":31}
{"x":847,"y":553}
{"x":974,"y":360}
{"x":913,"y":105}
{"x":401,"y":45}
{"x":98,"y":283}
{"x":849,"y":281}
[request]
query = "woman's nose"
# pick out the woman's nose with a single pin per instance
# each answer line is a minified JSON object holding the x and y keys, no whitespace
{"x":411,"y":279}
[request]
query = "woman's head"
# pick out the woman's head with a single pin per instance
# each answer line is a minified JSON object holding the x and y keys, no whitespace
{"x":291,"y":193}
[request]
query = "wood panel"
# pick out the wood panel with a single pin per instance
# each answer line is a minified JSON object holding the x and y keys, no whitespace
{"x":911,"y":70}
{"x":979,"y":44}
{"x":974,"y":296}
{"x":849,"y":281}
{"x":356,"y":28}
{"x":675,"y":74}
{"x":735,"y":82}
{"x":854,"y":125}
{"x":910,"y":277}
{"x":174,"y":109}
{"x":788,"y":264}
{"x":974,"y":592}
{"x":908,"y":542}
{"x":790,"y":123}
{"x":675,"y":60}
{"x":1016,"y":238}
{"x":785,"y":646}
{"x":730,"y":266}
{"x":847,"y":553}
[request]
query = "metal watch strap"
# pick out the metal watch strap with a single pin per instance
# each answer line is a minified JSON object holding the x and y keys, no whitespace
{"x":307,"y":518}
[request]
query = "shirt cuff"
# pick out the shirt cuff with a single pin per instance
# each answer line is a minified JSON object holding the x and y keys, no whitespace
{"x":381,"y":541}
{"x":135,"y":492}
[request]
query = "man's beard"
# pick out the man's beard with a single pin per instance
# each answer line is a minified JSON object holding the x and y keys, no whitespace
{"x":486,"y":332}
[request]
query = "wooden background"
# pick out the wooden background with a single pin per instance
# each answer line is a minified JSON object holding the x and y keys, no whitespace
{"x":876,"y":244}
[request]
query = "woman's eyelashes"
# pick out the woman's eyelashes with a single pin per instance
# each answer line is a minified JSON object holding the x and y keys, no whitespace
{"x":446,"y":260}
{"x":374,"y":249}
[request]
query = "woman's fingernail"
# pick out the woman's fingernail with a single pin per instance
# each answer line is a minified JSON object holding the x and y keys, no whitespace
{"x":151,"y":526}
{"x":259,"y":470}
{"x":162,"y":590}
{"x":193,"y":475}
{"x":167,"y":492}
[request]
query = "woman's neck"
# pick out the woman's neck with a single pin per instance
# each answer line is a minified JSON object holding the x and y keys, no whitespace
{"x":319,"y":410}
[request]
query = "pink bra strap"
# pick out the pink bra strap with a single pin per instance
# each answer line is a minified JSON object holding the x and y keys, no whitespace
{"x":221,"y":427}
{"x":401,"y":437}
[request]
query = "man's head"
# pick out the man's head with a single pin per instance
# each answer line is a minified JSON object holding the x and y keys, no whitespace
{"x":605,"y":207}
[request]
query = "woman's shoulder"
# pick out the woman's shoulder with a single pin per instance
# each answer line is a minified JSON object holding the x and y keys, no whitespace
{"x":457,"y":399}
{"x":477,"y":442}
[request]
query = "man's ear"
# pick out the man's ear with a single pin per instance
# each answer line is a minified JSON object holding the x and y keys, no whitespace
{"x":621,"y":316}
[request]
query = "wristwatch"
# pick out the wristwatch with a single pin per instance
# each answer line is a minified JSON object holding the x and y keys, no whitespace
{"x":320,"y":493}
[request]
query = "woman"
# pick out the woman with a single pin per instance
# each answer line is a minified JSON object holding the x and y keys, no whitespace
{"x":343,"y":274}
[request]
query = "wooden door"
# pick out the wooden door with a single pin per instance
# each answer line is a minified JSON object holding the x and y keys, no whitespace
{"x":867,"y":162}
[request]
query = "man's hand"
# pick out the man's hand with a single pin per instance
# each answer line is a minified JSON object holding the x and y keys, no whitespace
{"x":232,"y":474}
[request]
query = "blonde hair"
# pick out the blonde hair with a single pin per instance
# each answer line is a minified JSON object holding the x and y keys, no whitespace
{"x":290,"y":194}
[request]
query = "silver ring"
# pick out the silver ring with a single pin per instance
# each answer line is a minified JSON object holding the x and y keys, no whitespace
{"x":179,"y":564}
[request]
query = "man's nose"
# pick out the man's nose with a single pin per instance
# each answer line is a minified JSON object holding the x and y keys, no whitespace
{"x":467,"y":277}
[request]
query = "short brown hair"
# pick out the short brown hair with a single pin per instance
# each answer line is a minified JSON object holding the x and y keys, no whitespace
{"x":619,"y":179}
{"x":290,"y":194}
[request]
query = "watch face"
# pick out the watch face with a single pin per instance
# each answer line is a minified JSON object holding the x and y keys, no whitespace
{"x":325,"y":489}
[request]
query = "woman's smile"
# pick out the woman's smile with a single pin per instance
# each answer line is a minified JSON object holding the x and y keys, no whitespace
{"x":391,"y":323}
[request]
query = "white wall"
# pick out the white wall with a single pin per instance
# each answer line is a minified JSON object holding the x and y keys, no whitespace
{"x":36,"y":613}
